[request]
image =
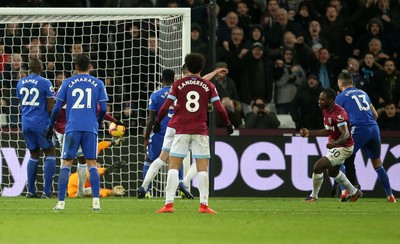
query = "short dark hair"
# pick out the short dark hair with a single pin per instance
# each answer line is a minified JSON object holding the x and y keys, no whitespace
{"x":330,"y":93}
{"x":346,"y":78}
{"x":168,"y":76}
{"x":195,"y":62}
{"x":82,"y":62}
{"x":35,"y":65}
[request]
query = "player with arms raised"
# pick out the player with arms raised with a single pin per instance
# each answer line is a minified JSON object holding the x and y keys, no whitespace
{"x":364,"y":128}
{"x":192,"y":94}
{"x":81,"y":93}
{"x":157,"y":99}
{"x":35,"y":95}
{"x":340,"y":145}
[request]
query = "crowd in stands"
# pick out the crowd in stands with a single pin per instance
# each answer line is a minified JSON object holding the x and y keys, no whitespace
{"x":279,"y":53}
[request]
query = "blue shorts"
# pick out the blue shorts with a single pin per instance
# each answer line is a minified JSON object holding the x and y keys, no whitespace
{"x":155,"y":146}
{"x":35,"y":138}
{"x":72,"y":141}
{"x":367,"y":138}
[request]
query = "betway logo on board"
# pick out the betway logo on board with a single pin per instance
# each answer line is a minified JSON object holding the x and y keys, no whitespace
{"x":17,"y":171}
{"x":278,"y":165}
{"x":298,"y":151}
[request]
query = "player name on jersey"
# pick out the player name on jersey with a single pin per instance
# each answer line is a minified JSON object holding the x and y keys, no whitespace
{"x":84,"y":79}
{"x":34,"y":81}
{"x":194,"y":82}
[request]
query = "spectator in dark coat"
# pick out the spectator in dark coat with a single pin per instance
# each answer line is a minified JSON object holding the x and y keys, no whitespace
{"x":257,"y":78}
{"x":260,"y":117}
{"x":385,"y":86}
{"x":390,"y":118}
{"x":304,"y":107}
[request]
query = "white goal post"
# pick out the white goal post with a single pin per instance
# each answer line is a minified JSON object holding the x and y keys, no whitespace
{"x":129,"y":48}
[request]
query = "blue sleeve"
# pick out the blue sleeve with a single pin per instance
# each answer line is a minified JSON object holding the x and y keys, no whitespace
{"x":54,"y":113}
{"x":102,"y":111}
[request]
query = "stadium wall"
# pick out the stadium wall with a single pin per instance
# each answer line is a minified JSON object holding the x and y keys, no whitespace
{"x":254,"y":163}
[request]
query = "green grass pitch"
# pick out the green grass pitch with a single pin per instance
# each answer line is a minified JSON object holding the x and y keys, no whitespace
{"x":240,"y":220}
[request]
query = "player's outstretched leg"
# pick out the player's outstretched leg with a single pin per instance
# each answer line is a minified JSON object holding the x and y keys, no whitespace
{"x":151,"y":173}
{"x":182,"y":188}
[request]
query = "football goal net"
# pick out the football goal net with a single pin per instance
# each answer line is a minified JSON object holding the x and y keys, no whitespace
{"x":128,"y":47}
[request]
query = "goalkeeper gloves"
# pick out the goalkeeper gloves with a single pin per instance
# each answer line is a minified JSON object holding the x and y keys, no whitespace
{"x":49,"y":133}
{"x":230,"y":129}
{"x":115,"y":166}
{"x":119,"y":122}
{"x":156,"y":127}
{"x":118,"y":190}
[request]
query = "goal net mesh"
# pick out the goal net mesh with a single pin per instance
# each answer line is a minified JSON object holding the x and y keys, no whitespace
{"x":128,"y":52}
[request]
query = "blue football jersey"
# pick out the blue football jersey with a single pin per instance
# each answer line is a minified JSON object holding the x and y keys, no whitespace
{"x":157,"y":99}
{"x":82,"y":93}
{"x":357,"y":104}
{"x":33,"y":92}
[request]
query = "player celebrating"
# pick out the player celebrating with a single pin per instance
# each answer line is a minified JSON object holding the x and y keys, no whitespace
{"x":340,"y":145}
{"x":35,"y":95}
{"x":192,"y":95}
{"x":81,"y":93}
{"x":364,"y":128}
{"x":169,"y":134}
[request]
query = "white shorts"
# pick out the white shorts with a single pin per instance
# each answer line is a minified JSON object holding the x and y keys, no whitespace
{"x":339,"y":154}
{"x":60,"y":139}
{"x":199,"y":144}
{"x":168,"y":138}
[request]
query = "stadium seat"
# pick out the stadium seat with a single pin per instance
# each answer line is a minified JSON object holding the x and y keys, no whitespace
{"x":286,"y":121}
{"x":3,"y":119}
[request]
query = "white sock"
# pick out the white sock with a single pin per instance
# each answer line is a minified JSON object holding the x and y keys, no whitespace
{"x":317,"y":182}
{"x":341,"y":179}
{"x":192,"y":172}
{"x":203,"y":187}
{"x":152,"y":172}
{"x":81,"y":178}
{"x":172,"y":185}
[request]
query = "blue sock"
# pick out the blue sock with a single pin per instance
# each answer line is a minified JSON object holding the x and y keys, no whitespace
{"x":63,"y":178}
{"x":94,"y":181}
{"x":145,"y":169}
{"x":49,"y":171}
{"x":343,"y":169}
{"x":32,"y":172}
{"x":180,"y":173}
{"x":384,"y":179}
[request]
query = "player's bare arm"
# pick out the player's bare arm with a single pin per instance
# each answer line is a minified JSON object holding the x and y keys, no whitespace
{"x":374,"y":112}
{"x":211,"y":75}
{"x":306,"y":133}
{"x":149,"y":126}
{"x":221,"y":110}
{"x":345,"y":134}
{"x":50,"y":105}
